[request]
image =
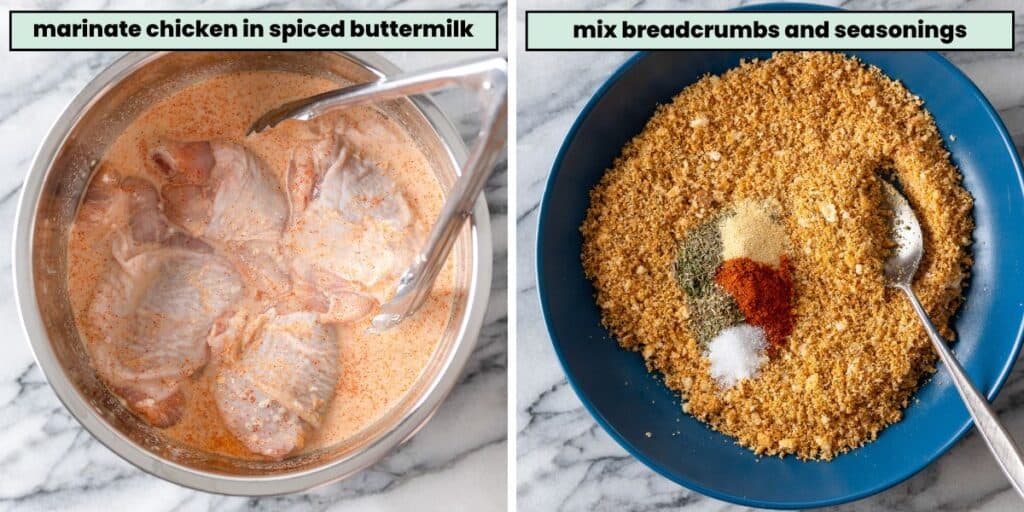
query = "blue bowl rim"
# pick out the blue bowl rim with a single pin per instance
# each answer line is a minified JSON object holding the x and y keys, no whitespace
{"x":589,"y":406}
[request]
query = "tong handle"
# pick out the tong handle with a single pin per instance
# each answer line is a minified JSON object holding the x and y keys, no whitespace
{"x":488,"y":79}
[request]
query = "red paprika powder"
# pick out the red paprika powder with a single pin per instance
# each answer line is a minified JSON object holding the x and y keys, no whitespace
{"x":763,"y":293}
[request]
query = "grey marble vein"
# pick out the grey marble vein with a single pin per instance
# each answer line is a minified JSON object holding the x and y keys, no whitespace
{"x":565,"y":462}
{"x":48,"y":462}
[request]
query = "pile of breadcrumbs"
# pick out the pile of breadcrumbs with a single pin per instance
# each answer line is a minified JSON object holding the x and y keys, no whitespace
{"x":807,"y":132}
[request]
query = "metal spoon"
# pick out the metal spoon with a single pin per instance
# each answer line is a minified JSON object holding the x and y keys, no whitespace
{"x":899,"y":273}
{"x":488,"y":79}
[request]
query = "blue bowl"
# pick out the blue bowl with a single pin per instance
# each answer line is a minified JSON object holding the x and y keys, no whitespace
{"x":628,"y":403}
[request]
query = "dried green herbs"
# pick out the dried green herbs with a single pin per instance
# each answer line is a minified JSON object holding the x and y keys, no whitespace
{"x":711,"y":308}
{"x":711,"y":313}
{"x":699,"y":256}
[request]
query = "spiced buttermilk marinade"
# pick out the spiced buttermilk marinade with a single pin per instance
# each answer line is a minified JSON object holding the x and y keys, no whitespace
{"x":224,"y":284}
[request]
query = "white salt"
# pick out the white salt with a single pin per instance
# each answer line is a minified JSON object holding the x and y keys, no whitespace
{"x":737,"y":353}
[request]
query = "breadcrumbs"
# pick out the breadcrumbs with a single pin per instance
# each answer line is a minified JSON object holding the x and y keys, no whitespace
{"x":807,"y":131}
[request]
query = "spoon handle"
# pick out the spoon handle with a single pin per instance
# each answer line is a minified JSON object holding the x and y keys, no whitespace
{"x":1005,"y":450}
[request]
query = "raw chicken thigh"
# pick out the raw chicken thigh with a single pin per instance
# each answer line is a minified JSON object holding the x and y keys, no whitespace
{"x":223,"y":193}
{"x":336,"y":299}
{"x":151,"y":312}
{"x":351,"y":221}
{"x":275,"y":391}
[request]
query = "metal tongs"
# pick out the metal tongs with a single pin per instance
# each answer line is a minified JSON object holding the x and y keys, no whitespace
{"x":487,"y":78}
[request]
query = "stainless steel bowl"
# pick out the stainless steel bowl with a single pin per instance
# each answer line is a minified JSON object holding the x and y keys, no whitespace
{"x":51,"y":195}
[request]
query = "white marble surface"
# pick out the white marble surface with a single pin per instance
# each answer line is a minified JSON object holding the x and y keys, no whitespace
{"x":47,"y":462}
{"x":565,"y":461}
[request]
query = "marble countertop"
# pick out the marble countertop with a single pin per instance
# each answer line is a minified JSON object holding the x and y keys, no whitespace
{"x":48,"y":462}
{"x":566,"y":462}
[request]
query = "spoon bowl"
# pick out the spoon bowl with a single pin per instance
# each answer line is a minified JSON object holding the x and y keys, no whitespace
{"x":906,"y":232}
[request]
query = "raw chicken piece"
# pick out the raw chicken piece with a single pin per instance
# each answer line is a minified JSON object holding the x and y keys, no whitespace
{"x":350,"y":219}
{"x":221,"y":192}
{"x":336,"y":299}
{"x":115,"y":201}
{"x":309,"y":162}
{"x":262,"y":266}
{"x":275,"y":391}
{"x":150,"y":315}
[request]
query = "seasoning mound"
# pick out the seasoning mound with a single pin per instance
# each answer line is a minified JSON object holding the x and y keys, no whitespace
{"x":732,"y":268}
{"x":751,"y":232}
{"x":737,"y":353}
{"x":712,"y":308}
{"x":805,"y":134}
{"x":763,"y":294}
